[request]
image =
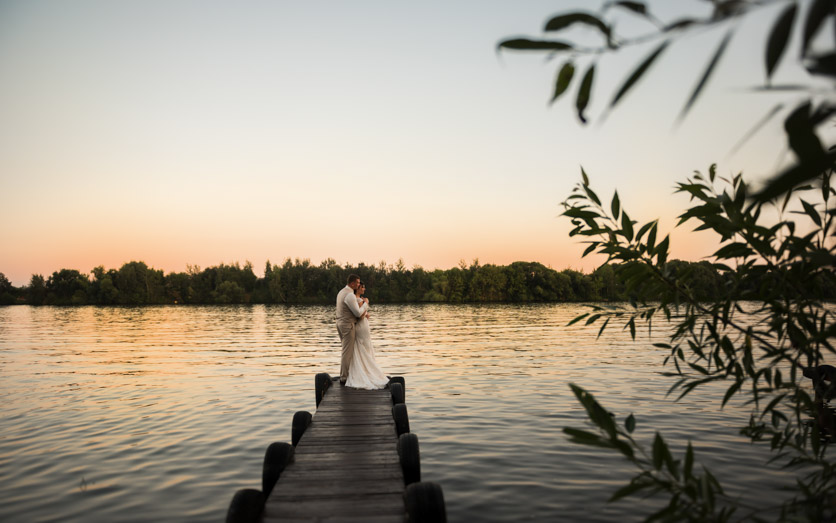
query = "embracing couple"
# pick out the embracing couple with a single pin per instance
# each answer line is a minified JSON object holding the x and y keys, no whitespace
{"x":358,"y":367}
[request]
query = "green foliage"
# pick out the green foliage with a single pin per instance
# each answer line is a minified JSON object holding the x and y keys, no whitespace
{"x":300,"y":282}
{"x":67,"y":287}
{"x":8,"y":296}
{"x":755,"y":316}
{"x":694,"y":496}
{"x":35,"y":293}
{"x":800,"y":124}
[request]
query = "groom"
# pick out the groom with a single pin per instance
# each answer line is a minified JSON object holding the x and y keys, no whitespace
{"x":348,"y":312}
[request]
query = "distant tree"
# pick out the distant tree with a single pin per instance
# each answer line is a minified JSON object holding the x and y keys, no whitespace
{"x":701,"y":279}
{"x":583,"y":288}
{"x":36,"y":291}
{"x":420,"y":285}
{"x":229,"y":292}
{"x":455,"y":286}
{"x":610,"y":287}
{"x":67,"y":287}
{"x":178,"y":287}
{"x":517,"y":278}
{"x":201,"y":284}
{"x":274,"y":286}
{"x":102,"y":290}
{"x":138,"y":284}
{"x":6,"y":291}
{"x":298,"y":281}
{"x":488,"y":284}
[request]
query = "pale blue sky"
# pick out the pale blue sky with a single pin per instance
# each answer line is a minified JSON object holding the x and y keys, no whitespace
{"x":200,"y":132}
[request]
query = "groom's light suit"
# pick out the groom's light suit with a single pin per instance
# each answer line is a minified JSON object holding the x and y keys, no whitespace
{"x":348,"y":312}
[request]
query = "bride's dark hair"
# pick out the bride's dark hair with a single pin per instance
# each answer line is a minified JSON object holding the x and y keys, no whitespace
{"x":360,"y":284}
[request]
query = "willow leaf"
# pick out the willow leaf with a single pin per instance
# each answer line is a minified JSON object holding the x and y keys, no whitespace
{"x":640,"y":70}
{"x":730,"y":392}
{"x":824,"y":65}
{"x":525,"y":44}
{"x":775,"y":110}
{"x":636,"y":7}
{"x":632,"y":487}
{"x":778,"y":38}
{"x":689,"y":461}
{"x":563,"y":21}
{"x":630,"y":423}
{"x":584,"y":92}
{"x":564,"y":77}
{"x":708,"y":70}
{"x":679,"y":24}
{"x":815,"y":16}
{"x":812,"y":212}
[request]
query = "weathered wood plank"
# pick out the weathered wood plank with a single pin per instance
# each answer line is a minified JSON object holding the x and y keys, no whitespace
{"x":343,"y":459}
{"x":356,"y":425}
{"x":349,"y":421}
{"x":386,"y":518}
{"x":364,"y":431}
{"x":358,"y":449}
{"x":356,"y":506}
{"x":351,"y":446}
{"x":379,"y":472}
{"x":350,"y":430}
{"x":336,"y":487}
{"x":324,"y":465}
{"x":355,"y":411}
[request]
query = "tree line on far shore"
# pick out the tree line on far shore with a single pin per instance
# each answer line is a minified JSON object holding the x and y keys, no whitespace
{"x":300,"y":282}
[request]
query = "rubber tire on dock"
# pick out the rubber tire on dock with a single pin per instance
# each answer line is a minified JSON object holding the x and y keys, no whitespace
{"x":277,"y":457}
{"x":321,"y":383}
{"x":398,"y":394}
{"x":425,"y":503}
{"x":410,"y":458}
{"x":246,"y":506}
{"x":301,"y":422}
{"x":401,"y":417}
{"x":398,"y":379}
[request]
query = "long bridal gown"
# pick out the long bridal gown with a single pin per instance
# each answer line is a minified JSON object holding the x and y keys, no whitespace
{"x":364,"y":372}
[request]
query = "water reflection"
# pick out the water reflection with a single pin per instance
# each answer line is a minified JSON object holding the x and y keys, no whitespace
{"x":161,"y":413}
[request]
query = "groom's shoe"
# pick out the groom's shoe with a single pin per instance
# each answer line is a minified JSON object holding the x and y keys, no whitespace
{"x":342,"y":382}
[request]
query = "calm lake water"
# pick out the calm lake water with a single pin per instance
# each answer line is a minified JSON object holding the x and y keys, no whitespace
{"x":162,"y":413}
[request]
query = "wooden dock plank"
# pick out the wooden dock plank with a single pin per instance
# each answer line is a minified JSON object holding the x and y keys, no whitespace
{"x":321,"y":431}
{"x":382,"y":472}
{"x":346,"y":467}
{"x":390,"y":518}
{"x":353,"y":506}
{"x":336,"y":487}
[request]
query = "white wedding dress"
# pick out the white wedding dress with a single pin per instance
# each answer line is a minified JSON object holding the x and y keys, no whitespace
{"x":364,"y":372}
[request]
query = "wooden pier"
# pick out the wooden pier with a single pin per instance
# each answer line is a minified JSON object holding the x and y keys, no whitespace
{"x":354,"y":460}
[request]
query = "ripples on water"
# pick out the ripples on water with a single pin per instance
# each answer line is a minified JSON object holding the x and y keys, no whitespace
{"x":162,"y":413}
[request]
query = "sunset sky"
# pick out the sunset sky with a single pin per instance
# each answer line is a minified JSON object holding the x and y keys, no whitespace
{"x":201,"y":132}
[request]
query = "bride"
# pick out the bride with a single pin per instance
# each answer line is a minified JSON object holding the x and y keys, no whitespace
{"x":364,"y":372}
